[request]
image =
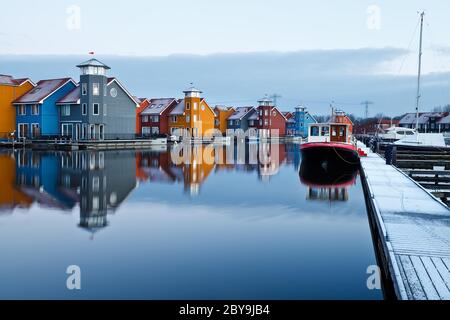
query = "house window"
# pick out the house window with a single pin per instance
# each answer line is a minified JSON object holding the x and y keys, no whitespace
{"x":260,"y":112}
{"x":188,"y":118}
{"x":266,"y":113}
{"x":260,"y":122}
{"x":23,"y":130}
{"x":174,"y":119}
{"x":22,"y":110}
{"x":96,"y":109}
{"x":96,"y":89}
{"x":230,"y":122}
{"x":104,"y":90}
{"x":274,"y":114}
{"x":145,"y":119}
{"x":188,"y":106}
{"x":154,"y":119}
{"x":195,"y":118}
{"x":84,"y":89}
{"x":84,"y":109}
{"x":195,"y":105}
{"x":66,"y":110}
{"x":237,"y":122}
{"x":146,"y":130}
{"x":266,"y":122}
{"x":35,"y":109}
{"x":105,"y":112}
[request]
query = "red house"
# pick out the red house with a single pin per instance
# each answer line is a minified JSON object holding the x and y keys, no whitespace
{"x":143,"y":104}
{"x":154,"y":118}
{"x":269,"y":119}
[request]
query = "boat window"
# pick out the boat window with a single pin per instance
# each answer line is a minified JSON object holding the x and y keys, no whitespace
{"x":334,"y":133}
{"x":409,"y":133}
{"x":401,"y":132}
{"x":325,"y":131}
{"x":315,"y":131}
{"x":341,"y":131}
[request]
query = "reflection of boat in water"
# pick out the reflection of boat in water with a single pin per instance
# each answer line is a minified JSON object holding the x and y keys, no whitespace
{"x":327,"y":185}
{"x":331,"y":144}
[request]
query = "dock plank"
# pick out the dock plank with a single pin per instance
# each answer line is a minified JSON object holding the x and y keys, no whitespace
{"x":424,"y":278}
{"x":443,"y":270}
{"x":436,"y":278}
{"x":416,"y":290}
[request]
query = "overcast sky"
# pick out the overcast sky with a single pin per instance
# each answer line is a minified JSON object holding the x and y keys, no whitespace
{"x":306,"y":39}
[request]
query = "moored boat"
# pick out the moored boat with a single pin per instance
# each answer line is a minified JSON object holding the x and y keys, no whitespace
{"x":331,"y":144}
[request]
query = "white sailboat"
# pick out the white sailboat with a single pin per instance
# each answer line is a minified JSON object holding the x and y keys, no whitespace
{"x":415,"y":138}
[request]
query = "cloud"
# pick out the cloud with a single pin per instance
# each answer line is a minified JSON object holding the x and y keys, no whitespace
{"x":313,"y":78}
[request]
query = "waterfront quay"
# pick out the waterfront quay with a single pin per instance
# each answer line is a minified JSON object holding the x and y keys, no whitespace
{"x":412,"y":231}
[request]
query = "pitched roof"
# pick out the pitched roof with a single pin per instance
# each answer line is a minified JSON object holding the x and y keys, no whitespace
{"x":9,"y":80}
{"x":73,"y":97}
{"x":111,"y":80}
{"x":158,"y":106}
{"x":43,"y":89}
{"x":93,"y":63}
{"x":179,"y":109}
{"x":240,"y":113}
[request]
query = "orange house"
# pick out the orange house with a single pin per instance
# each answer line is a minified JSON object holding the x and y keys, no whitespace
{"x":192,"y":114}
{"x":222,"y":115}
{"x":10,"y":90}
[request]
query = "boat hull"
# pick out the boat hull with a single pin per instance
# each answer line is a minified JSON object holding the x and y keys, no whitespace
{"x":330,"y":156}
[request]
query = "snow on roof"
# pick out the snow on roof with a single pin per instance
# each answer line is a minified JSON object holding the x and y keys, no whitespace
{"x":93,"y":63}
{"x":43,"y":89}
{"x":179,"y":108}
{"x":254,"y":115}
{"x":409,"y":118}
{"x":73,"y":97}
{"x":158,"y":106}
{"x":445,"y":120}
{"x":240,"y":113}
{"x":9,"y":80}
{"x":133,"y":98}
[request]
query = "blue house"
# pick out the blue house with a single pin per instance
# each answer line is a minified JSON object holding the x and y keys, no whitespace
{"x":299,"y":123}
{"x":37,"y":114}
{"x":240,"y":119}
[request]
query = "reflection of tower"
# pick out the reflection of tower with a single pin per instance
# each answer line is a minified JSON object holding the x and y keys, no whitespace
{"x":327,"y":194}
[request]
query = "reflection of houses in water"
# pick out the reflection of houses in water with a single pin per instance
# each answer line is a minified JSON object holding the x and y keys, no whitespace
{"x":37,"y":175}
{"x":10,"y":196}
{"x":193,"y":164}
{"x":100,"y":180}
{"x":271,"y":157}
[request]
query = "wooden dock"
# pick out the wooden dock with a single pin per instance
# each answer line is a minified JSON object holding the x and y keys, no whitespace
{"x":413,"y":231}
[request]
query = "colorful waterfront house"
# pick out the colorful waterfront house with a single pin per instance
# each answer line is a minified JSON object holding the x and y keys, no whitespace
{"x":299,"y":123}
{"x":37,"y":113}
{"x":240,"y":119}
{"x":154,"y":119}
{"x":143,"y":103}
{"x":106,"y":109}
{"x":222,"y":114}
{"x":271,"y":121}
{"x":192,"y":114}
{"x":10,"y":90}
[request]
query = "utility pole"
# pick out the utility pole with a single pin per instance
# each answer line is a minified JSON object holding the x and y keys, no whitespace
{"x":275,"y":97}
{"x":420,"y":70}
{"x":367,"y":103}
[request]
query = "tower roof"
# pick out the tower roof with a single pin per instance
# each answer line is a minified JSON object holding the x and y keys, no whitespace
{"x":192,"y":89}
{"x":93,"y":63}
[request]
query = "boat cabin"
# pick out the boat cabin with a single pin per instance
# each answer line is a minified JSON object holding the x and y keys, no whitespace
{"x":329,"y":132}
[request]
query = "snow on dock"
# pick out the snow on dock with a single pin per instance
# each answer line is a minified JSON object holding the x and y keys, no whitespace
{"x":414,"y":228}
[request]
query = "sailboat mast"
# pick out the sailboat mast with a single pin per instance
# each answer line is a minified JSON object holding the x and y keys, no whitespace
{"x":420,"y":70}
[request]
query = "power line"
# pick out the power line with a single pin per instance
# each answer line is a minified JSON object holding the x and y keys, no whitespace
{"x":367,"y":103}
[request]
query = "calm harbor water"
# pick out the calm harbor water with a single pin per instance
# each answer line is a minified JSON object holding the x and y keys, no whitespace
{"x":144,"y":225}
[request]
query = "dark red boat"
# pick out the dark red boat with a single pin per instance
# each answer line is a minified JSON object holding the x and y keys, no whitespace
{"x":331,"y":146}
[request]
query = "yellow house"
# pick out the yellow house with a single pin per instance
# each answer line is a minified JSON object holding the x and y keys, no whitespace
{"x":10,"y":90}
{"x":222,"y":115}
{"x":192,"y":114}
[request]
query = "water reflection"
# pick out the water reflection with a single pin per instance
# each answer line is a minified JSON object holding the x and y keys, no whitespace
{"x":324,"y":185}
{"x":98,"y":182}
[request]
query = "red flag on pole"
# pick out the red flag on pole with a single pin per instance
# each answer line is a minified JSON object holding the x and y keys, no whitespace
{"x":92,"y":53}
